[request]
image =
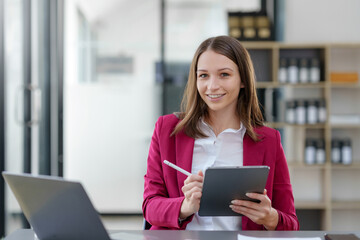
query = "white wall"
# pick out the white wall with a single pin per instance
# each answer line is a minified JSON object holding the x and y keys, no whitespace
{"x":322,"y":21}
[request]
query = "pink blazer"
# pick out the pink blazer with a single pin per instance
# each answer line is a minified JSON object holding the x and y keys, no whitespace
{"x":162,"y":188}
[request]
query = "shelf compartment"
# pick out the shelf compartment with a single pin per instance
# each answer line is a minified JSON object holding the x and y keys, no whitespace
{"x":310,"y":219}
{"x":307,"y":184}
{"x":262,"y":59}
{"x":352,"y":134}
{"x":345,"y":60}
{"x":305,"y":52}
{"x":343,"y":183}
{"x":341,"y":97}
{"x":345,"y":219}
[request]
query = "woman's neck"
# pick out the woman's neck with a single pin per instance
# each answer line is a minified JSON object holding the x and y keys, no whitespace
{"x":219,"y":121}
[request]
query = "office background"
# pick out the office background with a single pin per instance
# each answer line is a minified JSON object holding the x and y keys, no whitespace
{"x":83,"y":82}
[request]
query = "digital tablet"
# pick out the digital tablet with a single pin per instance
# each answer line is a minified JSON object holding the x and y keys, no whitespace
{"x":222,"y":185}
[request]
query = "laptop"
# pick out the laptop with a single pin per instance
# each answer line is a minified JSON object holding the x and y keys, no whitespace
{"x":56,"y":208}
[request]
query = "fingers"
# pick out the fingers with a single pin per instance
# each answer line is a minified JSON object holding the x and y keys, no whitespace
{"x":257,"y":212}
{"x":258,"y":196}
{"x":193,"y":194}
{"x":251,"y":207}
{"x":192,"y":190}
{"x":245,"y":203}
{"x":249,"y":212}
{"x":194,"y":178}
{"x":193,"y":184}
{"x":265,"y":202}
{"x":192,"y":187}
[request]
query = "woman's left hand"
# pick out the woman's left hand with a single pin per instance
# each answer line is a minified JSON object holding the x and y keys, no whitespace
{"x":261,"y":213}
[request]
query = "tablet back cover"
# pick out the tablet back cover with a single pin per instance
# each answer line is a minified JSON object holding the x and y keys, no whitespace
{"x":222,"y":185}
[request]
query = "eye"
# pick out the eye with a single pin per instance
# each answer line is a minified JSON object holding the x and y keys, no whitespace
{"x":224,"y":74}
{"x":204,"y":75}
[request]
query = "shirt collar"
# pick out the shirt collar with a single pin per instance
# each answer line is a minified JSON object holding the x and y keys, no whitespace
{"x":207,"y":127}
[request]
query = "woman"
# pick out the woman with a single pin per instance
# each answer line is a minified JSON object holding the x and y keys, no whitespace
{"x":220,"y":125}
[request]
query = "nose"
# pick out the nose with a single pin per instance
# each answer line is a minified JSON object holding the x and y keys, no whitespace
{"x":213,"y":83}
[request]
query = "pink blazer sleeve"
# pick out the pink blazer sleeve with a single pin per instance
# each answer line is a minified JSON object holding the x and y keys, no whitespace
{"x":269,"y":152}
{"x":162,"y":199}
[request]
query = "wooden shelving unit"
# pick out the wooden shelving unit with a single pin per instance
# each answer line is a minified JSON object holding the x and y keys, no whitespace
{"x":310,"y":205}
{"x":340,"y":98}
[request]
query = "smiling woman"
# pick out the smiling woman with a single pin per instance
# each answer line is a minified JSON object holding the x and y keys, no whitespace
{"x":220,"y":126}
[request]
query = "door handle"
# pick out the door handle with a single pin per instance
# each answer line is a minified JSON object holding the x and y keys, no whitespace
{"x":35,"y":95}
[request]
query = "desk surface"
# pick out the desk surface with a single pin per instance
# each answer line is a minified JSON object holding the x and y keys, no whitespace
{"x":27,"y":234}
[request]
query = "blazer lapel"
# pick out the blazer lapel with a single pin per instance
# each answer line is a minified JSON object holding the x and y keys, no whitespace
{"x":184,"y":147}
{"x":253,"y":152}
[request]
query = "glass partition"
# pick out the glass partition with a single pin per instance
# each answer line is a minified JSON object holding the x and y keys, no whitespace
{"x":111,"y":98}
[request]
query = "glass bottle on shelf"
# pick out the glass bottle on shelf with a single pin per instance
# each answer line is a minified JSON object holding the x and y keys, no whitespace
{"x":300,"y":112}
{"x":315,"y":70}
{"x":312,"y":112}
{"x":320,"y":151}
{"x":346,"y":151}
{"x":282,"y":74}
{"x":303,"y":71}
{"x":290,"y":111}
{"x":321,"y":111}
{"x":310,"y":151}
{"x":293,"y":71}
{"x":335,"y":151}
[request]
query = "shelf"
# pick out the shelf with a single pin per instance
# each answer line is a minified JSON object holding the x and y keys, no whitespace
{"x":354,"y":86}
{"x":321,"y":84}
{"x":345,"y":45}
{"x":271,"y":44}
{"x":298,"y":164}
{"x":353,"y":166}
{"x":284,"y":124}
{"x":259,"y":45}
{"x":309,"y":205}
{"x":265,"y":85}
{"x":306,"y":166}
{"x":345,"y":126}
{"x":343,"y":205}
{"x":300,"y":46}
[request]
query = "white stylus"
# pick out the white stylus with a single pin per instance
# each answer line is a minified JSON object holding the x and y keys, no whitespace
{"x":177,"y":168}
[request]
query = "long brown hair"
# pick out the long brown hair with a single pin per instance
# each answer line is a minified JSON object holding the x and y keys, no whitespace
{"x":192,"y":105}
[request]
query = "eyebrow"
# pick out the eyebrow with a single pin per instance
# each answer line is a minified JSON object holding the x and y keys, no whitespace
{"x":221,"y":69}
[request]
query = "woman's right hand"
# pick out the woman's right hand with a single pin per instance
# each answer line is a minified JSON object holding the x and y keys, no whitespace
{"x":192,"y":190}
